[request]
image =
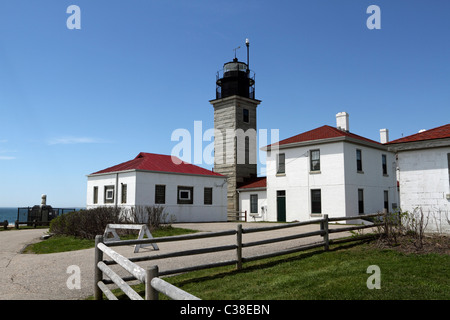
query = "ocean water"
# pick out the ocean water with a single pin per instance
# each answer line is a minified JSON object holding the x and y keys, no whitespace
{"x":8,"y":213}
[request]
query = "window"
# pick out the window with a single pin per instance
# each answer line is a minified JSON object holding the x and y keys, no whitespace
{"x":386,"y":200}
{"x":160,"y":194}
{"x":185,"y":195}
{"x":247,"y":150}
{"x":95,"y":195}
{"x":358,"y":160}
{"x":448,"y":162}
{"x":384,"y":164}
{"x":315,"y":160}
{"x":246,"y":116}
{"x":360,"y":201}
{"x":109,"y":194}
{"x":253,"y":203}
{"x":281,"y":163}
{"x":124,"y":193}
{"x":207,"y":196}
{"x":316,"y":201}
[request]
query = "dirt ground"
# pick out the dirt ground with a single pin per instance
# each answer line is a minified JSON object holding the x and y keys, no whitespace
{"x":439,"y":244}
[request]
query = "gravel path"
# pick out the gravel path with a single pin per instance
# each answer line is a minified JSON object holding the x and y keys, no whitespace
{"x":45,"y":276}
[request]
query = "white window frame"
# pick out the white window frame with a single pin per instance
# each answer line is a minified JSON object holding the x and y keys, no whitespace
{"x":185,"y":199}
{"x":311,"y":169}
{"x":189,"y":192}
{"x":252,"y":197}
{"x":109,"y":194}
{"x":281,"y":173}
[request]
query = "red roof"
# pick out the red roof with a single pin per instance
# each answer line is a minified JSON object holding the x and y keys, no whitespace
{"x":260,"y":182}
{"x":159,"y":162}
{"x":324,"y":132}
{"x":435,"y":133}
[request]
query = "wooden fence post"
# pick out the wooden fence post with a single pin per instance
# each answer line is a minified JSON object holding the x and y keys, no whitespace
{"x":150,"y":292}
{"x":386,"y":223}
{"x":326,"y":234}
{"x":98,"y":275}
{"x":239,"y":247}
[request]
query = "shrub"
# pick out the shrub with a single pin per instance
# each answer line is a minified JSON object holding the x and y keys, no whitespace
{"x":400,"y":224}
{"x":88,"y":223}
{"x":85,"y":223}
{"x":153,"y":216}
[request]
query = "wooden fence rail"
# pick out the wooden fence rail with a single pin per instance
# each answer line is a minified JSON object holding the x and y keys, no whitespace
{"x":237,"y":216}
{"x":158,"y":285}
{"x":150,"y":277}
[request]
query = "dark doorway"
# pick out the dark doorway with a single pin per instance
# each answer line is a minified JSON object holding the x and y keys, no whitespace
{"x":281,"y":205}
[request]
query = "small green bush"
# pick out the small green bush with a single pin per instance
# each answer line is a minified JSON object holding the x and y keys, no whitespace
{"x":85,"y":224}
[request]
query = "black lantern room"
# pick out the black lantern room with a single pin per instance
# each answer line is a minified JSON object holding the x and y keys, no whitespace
{"x":236,"y":78}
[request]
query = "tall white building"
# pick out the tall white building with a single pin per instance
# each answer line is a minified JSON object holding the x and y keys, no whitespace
{"x":423,"y":161}
{"x":327,"y":170}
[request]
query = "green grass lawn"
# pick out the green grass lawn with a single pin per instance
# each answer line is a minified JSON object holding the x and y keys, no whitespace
{"x":68,"y":243}
{"x":59,"y":244}
{"x":340,"y":274}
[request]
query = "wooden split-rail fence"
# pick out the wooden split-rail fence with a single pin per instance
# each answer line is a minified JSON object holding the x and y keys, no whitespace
{"x":151,"y":275}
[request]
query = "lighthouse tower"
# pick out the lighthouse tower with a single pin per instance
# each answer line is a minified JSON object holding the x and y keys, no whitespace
{"x":235,"y":147}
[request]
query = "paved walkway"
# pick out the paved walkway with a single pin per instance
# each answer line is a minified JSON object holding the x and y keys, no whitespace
{"x":44,"y":276}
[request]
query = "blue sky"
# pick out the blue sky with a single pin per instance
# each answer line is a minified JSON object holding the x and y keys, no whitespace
{"x":73,"y":102}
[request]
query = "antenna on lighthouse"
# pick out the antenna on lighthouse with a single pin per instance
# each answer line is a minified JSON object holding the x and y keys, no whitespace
{"x":247,"y":43}
{"x":235,"y":51}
